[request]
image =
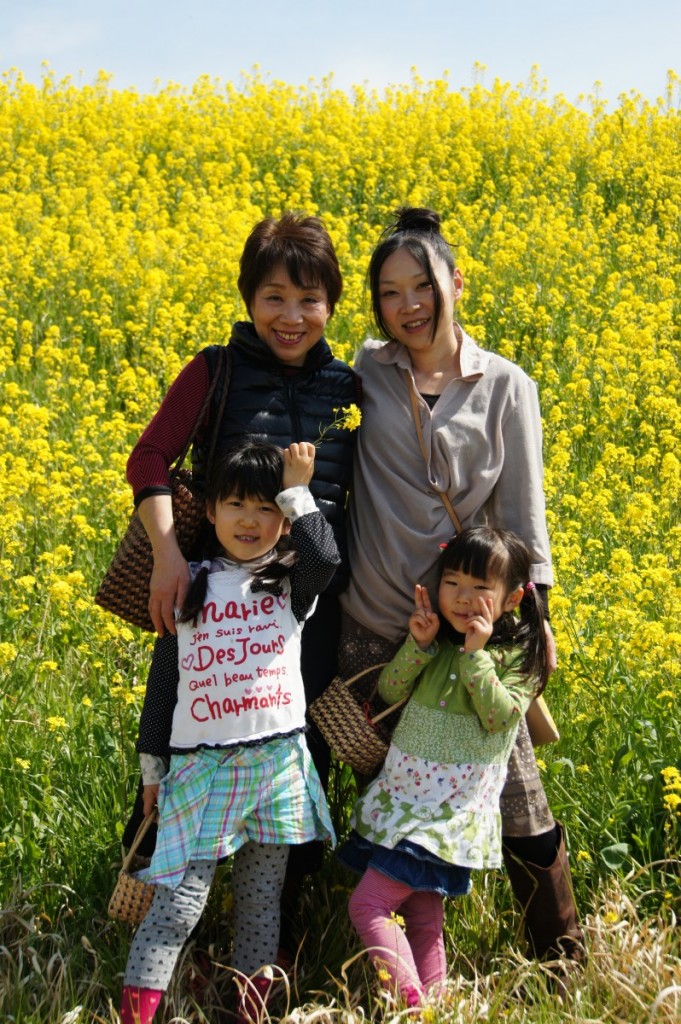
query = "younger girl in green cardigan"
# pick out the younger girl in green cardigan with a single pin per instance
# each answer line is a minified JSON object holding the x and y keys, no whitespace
{"x":432,"y":813}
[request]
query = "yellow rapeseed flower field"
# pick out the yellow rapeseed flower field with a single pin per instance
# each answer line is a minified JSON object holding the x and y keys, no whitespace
{"x":122,"y":218}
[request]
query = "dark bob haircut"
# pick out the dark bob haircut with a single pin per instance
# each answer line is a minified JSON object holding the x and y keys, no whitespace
{"x":300,"y":244}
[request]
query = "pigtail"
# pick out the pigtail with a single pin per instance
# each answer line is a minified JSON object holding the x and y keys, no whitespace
{"x":527,"y":632}
{"x":196,"y":596}
{"x":531,"y":635}
{"x":272,"y":573}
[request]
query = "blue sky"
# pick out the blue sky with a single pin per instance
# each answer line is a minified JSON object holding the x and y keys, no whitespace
{"x":625,"y":45}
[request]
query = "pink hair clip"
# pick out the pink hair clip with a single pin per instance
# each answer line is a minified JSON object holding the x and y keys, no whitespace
{"x":529,"y":587}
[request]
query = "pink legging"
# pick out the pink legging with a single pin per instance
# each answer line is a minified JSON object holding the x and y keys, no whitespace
{"x":414,"y":956}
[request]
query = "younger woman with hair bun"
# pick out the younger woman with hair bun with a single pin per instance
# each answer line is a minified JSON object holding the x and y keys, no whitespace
{"x":446,"y":423}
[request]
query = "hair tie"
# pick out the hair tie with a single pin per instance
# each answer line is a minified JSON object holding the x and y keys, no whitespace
{"x":529,"y":587}
{"x":206,"y":564}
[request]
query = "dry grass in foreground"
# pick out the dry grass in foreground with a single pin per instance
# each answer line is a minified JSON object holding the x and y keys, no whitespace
{"x":48,"y":973}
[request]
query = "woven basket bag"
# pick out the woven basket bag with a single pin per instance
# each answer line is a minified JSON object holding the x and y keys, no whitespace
{"x":355,"y":731}
{"x":124,"y":591}
{"x":132,"y":897}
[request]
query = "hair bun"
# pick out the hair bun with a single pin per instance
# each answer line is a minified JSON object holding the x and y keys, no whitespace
{"x":418,"y":220}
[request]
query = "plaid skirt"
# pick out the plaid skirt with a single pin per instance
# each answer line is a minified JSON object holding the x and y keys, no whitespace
{"x":212,"y":801}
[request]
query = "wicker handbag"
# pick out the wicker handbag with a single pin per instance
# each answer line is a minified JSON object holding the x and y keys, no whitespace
{"x":355,"y":731}
{"x":132,"y":897}
{"x":125,"y":587}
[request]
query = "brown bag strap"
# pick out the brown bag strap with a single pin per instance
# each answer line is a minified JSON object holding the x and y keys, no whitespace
{"x":419,"y":433}
{"x":139,"y":836}
{"x":223,"y":370}
{"x":389,"y":710}
{"x":364,"y":672}
{"x":226,"y":369}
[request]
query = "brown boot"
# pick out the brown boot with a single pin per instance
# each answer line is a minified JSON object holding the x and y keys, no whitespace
{"x":546,"y":898}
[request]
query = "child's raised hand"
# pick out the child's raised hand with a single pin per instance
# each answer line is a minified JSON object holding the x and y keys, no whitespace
{"x":298,"y":464}
{"x":480,"y":626}
{"x":424,"y":623}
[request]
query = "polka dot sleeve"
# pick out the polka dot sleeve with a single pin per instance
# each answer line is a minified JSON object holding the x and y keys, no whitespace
{"x":312,"y":537}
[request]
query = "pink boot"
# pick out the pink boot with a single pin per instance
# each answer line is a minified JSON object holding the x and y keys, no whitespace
{"x":138,"y":1005}
{"x":254,"y":997}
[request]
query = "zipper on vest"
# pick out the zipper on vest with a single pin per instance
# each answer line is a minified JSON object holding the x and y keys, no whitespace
{"x":296,"y":433}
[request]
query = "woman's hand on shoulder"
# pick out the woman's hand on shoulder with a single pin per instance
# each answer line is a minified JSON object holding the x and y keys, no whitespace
{"x":298,"y":464}
{"x":170,"y":579}
{"x":424,"y":624}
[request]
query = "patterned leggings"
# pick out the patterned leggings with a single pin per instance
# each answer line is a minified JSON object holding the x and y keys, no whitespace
{"x":257,"y":879}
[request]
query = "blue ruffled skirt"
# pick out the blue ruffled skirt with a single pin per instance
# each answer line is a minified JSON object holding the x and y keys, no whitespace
{"x":408,"y":862}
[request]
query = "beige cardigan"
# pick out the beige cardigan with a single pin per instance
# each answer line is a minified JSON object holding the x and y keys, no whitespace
{"x":485,"y":443}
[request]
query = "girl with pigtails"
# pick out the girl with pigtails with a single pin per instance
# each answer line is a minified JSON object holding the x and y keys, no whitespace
{"x":241,"y":779}
{"x":432,"y":813}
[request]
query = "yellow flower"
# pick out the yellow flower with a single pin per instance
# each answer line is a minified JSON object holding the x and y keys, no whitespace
{"x":351,"y":419}
{"x":56,"y":722}
{"x":348,"y":417}
{"x":8,"y":653}
{"x":22,"y":763}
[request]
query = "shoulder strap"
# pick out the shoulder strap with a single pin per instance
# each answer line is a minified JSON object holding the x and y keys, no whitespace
{"x":224,"y":370}
{"x":419,"y":433}
{"x":223,"y":366}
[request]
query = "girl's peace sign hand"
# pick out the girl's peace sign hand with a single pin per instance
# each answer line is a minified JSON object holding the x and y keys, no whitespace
{"x":424,"y":623}
{"x":480,"y":625}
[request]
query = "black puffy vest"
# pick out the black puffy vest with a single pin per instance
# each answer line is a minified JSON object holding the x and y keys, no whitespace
{"x":283,"y":403}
